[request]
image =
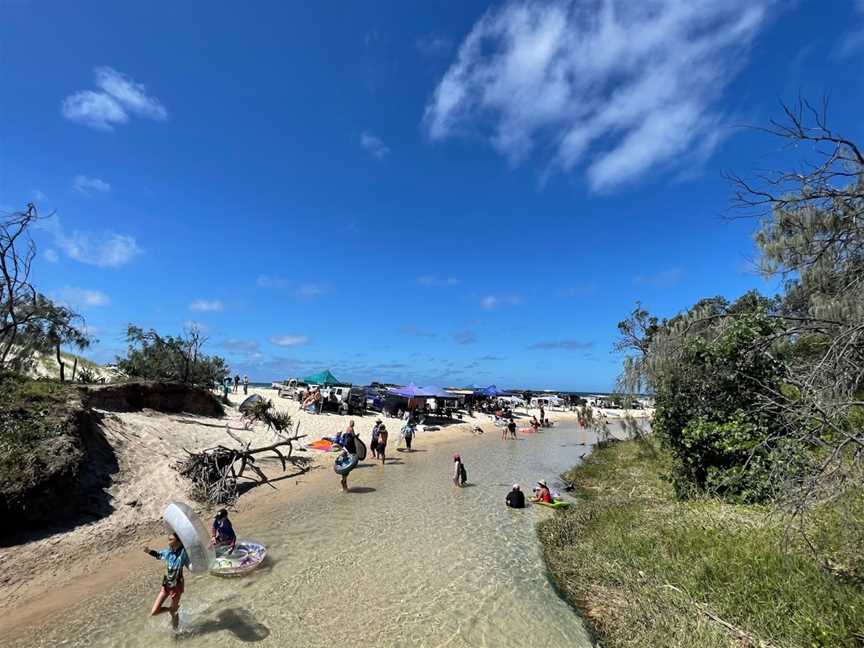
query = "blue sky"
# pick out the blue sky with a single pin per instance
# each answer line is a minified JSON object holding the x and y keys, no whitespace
{"x":440,"y":192}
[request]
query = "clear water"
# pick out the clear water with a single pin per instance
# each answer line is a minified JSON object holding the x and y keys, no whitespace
{"x":404,"y":560}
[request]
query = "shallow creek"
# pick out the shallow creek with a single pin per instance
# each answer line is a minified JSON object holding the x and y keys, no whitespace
{"x":405,"y":559}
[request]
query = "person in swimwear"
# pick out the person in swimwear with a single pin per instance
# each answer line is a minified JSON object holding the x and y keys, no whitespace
{"x":543,"y":494}
{"x":176,"y":559}
{"x":222,"y":534}
{"x":382,"y":443}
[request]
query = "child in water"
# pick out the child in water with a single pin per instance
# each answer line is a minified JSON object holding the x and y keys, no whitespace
{"x":460,"y":475}
{"x":176,"y":559}
{"x":222,"y":534}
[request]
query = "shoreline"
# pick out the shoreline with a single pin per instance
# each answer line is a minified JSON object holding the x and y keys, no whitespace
{"x":69,"y":570}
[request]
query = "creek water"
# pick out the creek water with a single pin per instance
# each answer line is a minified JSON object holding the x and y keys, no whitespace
{"x":405,"y":559}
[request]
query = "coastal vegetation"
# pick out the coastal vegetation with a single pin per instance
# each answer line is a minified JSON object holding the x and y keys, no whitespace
{"x":646,"y":568}
{"x":741,"y":520}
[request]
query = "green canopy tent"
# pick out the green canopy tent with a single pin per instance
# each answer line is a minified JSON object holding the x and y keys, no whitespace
{"x":323,"y":378}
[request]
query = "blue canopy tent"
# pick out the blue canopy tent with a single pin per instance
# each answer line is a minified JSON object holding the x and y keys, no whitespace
{"x":491,"y":390}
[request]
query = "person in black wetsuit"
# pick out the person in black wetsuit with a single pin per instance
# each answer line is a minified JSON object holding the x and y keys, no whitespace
{"x":515,"y":498}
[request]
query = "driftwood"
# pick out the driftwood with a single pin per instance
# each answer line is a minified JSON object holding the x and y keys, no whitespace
{"x":215,"y":472}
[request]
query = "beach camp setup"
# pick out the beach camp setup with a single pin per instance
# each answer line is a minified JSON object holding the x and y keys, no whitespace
{"x":187,"y":526}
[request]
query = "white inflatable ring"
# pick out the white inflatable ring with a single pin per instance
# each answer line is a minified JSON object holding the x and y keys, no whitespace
{"x":191,"y":531}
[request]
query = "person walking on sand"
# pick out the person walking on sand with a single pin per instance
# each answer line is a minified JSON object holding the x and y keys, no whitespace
{"x":542,"y":415}
{"x":245,"y":385}
{"x":236,"y":382}
{"x":373,"y":445}
{"x":176,"y":559}
{"x":460,"y":475}
{"x":408,"y":434}
{"x":382,"y":443}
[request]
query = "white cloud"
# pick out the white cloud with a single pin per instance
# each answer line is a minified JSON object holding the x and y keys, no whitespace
{"x":621,"y":85}
{"x":492,"y":301}
{"x":83,"y":184}
{"x":374,"y":145}
{"x":83,"y":297}
{"x":432,"y":280}
{"x":311,"y":290}
{"x":662,"y":279}
{"x":51,"y":255}
{"x":118,"y":97}
{"x":434,"y":45}
{"x":206,"y":306}
{"x":269,"y":281}
{"x":465,"y":337}
{"x":289,"y":340}
{"x":565,"y":345}
{"x":106,"y":249}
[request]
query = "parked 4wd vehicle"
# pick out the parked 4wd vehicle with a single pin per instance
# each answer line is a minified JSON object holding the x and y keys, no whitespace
{"x":355,"y":403}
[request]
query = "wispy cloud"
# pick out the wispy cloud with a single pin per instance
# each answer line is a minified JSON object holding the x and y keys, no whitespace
{"x":86,"y":185}
{"x":269,"y":281}
{"x":117,"y":98}
{"x":626,"y":86}
{"x":853,"y":40}
{"x":662,"y":279}
{"x":102,"y":249}
{"x":82,"y":297}
{"x":580,"y":290}
{"x":489,"y":358}
{"x":465,"y":337}
{"x":374,"y":145}
{"x":207,"y":306}
{"x":51,"y":256}
{"x":490,"y":302}
{"x":411,"y":329}
{"x":289,"y":340}
{"x":434,"y":45}
{"x":311,"y":289}
{"x":243,"y":346}
{"x":307,"y":289}
{"x":433,"y":280}
{"x":39,"y":196}
{"x":563,"y":345}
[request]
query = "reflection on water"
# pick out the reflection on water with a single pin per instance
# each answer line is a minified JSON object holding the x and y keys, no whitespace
{"x":404,"y":560}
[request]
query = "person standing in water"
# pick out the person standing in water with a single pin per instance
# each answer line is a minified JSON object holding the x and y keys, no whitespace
{"x":511,"y":427}
{"x":460,"y":475}
{"x":176,"y":559}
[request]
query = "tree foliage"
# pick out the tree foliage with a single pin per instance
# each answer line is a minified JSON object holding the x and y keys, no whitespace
{"x":29,"y":321}
{"x":179,"y":358}
{"x":764,"y":398}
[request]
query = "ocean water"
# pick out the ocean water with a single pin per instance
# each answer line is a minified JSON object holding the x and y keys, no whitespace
{"x":405,"y":559}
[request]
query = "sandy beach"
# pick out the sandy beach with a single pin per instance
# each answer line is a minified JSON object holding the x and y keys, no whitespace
{"x":50,"y":573}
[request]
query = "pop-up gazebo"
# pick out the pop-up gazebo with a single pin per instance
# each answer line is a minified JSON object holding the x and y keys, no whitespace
{"x":323,"y":378}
